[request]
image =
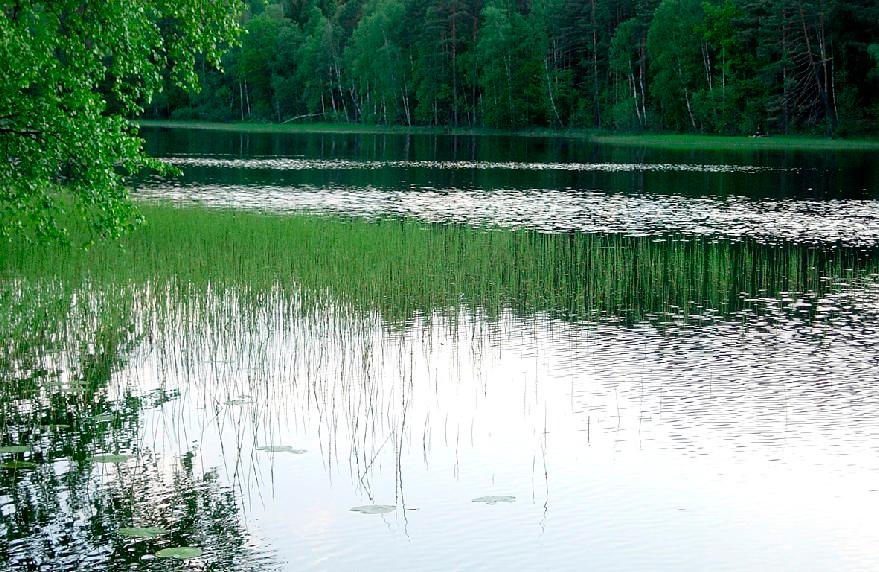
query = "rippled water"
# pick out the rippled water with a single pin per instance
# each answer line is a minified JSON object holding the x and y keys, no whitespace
{"x":730,"y":423}
{"x":288,"y":164}
{"x":852,"y":221}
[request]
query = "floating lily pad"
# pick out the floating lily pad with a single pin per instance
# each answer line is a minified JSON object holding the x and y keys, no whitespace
{"x":145,"y":532}
{"x":55,"y":426}
{"x":280,"y":449}
{"x":111,"y":458}
{"x":179,"y":552}
{"x":495,"y":499}
{"x":16,"y":449}
{"x":16,"y":465}
{"x":374,"y":508}
{"x":103,"y":417}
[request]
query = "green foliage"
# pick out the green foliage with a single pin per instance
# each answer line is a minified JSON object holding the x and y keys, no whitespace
{"x":628,"y":107}
{"x":713,"y":66}
{"x":510,"y":59}
{"x":378,"y":66}
{"x":69,"y":73}
{"x":675,"y":61}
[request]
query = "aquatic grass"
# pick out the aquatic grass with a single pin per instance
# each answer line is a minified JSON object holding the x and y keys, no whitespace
{"x":205,"y":291}
{"x":405,"y":268}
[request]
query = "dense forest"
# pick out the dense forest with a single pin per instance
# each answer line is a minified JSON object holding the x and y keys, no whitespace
{"x":712,"y":66}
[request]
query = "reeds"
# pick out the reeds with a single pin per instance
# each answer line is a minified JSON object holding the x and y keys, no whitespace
{"x":406,"y":268}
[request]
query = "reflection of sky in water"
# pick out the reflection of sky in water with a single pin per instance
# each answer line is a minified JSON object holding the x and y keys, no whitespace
{"x":853,"y":222}
{"x":748,"y":444}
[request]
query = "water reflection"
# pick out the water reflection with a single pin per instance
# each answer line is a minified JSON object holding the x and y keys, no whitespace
{"x":81,"y":470}
{"x":755,"y":174}
{"x":651,"y":402}
{"x":852,"y":222}
{"x":658,"y":360}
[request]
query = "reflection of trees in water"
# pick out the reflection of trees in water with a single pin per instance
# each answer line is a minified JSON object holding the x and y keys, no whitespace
{"x":69,"y":519}
{"x":62,"y":350}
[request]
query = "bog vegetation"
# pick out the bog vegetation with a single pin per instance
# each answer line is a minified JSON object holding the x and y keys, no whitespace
{"x":710,"y":66}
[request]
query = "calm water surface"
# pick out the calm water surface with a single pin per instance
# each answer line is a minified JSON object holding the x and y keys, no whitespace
{"x":619,"y":359}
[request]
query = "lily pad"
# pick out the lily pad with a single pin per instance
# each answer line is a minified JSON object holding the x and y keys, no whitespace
{"x":495,"y":499}
{"x":179,"y":552}
{"x":145,"y":532}
{"x":374,"y":508}
{"x":16,"y":465}
{"x":16,"y":449}
{"x":111,"y":458}
{"x":280,"y":449}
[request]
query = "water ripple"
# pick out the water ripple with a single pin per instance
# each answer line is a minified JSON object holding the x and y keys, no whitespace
{"x":850,"y":222}
{"x":291,"y":164}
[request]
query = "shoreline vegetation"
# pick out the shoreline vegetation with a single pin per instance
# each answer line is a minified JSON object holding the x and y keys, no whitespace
{"x":647,"y":140}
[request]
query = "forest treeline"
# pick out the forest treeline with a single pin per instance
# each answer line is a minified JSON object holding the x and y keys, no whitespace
{"x":712,"y":66}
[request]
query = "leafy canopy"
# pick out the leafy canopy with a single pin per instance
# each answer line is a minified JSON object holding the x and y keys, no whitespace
{"x":70,"y":72}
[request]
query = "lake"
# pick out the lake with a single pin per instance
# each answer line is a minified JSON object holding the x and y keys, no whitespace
{"x":432,"y":352}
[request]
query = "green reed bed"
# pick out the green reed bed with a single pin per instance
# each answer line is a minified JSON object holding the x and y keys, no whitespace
{"x":401,"y":268}
{"x":199,"y":276}
{"x":198,"y":284}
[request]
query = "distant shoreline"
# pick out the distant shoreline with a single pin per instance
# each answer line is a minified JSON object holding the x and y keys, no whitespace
{"x":649,"y":140}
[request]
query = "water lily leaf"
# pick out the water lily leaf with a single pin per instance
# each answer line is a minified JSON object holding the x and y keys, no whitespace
{"x":111,"y":458}
{"x":145,"y":532}
{"x":55,"y":426}
{"x":495,"y":499}
{"x":180,"y":552}
{"x":15,"y":465}
{"x":280,"y":449}
{"x":16,"y":449}
{"x":374,"y":508}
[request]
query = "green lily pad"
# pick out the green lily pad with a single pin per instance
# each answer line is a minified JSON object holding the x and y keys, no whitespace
{"x":16,"y":449}
{"x":179,"y":552}
{"x":495,"y":499}
{"x":374,"y":509}
{"x":16,"y":465}
{"x":111,"y":458}
{"x":103,"y":417}
{"x":280,"y":449}
{"x":145,"y":532}
{"x":55,"y":426}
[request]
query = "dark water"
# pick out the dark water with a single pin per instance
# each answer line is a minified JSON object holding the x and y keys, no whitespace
{"x":653,"y":360}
